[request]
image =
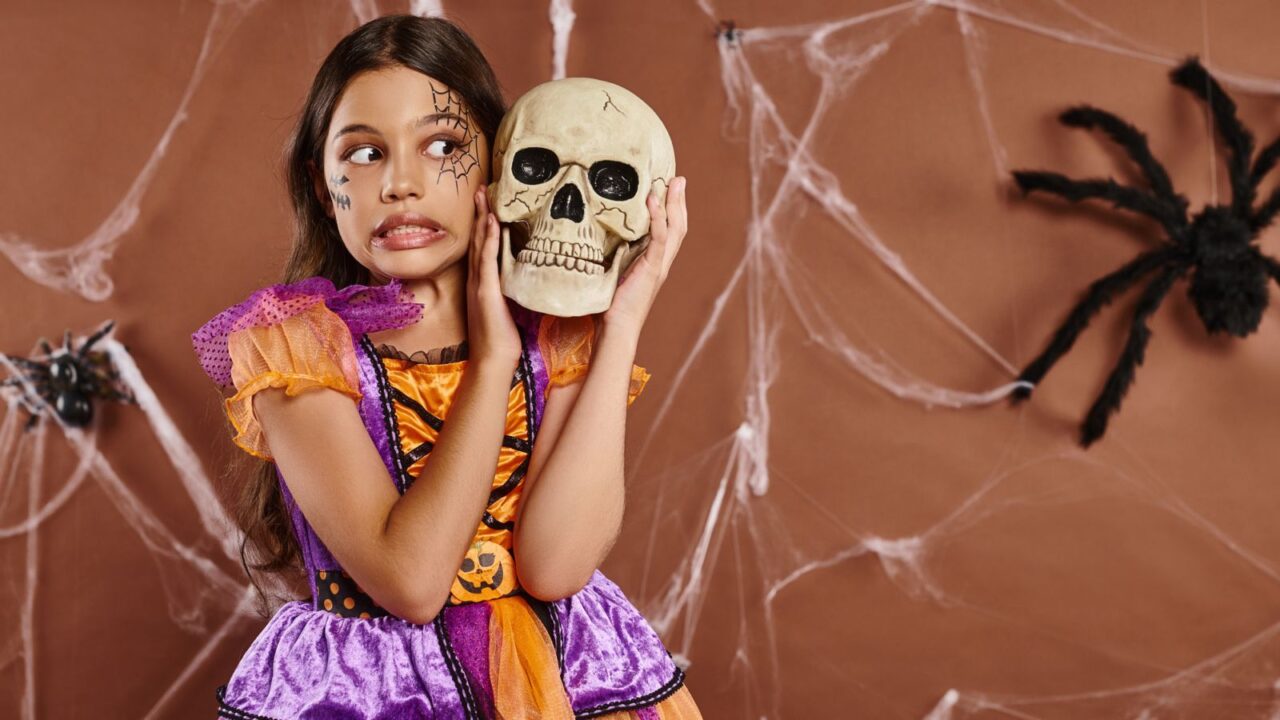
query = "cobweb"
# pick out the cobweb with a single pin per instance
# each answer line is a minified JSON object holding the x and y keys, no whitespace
{"x":740,"y":533}
{"x":742,"y":551}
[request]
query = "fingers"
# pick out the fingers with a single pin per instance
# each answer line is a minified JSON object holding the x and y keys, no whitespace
{"x":668,"y":220}
{"x":483,"y":226}
{"x":485,"y":242}
{"x":489,"y":252}
{"x":677,"y":219}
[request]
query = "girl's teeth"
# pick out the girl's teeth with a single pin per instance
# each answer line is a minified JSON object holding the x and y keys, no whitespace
{"x":405,"y":229}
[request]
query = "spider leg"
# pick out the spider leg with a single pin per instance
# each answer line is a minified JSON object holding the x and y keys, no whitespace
{"x":1239,"y":141}
{"x":102,"y":331}
{"x":1121,"y":196}
{"x":1265,"y":161}
{"x":45,"y":347}
{"x":1265,"y":212}
{"x":1121,"y":377}
{"x":1134,"y":143}
{"x":1273,"y":267}
{"x":1101,"y":292}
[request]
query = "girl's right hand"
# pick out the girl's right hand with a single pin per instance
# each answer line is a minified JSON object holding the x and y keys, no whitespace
{"x":491,"y":332}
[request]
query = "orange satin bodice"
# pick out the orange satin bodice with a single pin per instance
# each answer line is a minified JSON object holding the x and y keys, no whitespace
{"x":422,"y":394}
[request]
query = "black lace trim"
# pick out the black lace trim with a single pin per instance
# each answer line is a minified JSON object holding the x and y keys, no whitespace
{"x":653,"y":698}
{"x":234,"y":713}
{"x":434,"y":356}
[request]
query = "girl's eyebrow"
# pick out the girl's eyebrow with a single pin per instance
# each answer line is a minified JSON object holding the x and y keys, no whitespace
{"x":424,"y":120}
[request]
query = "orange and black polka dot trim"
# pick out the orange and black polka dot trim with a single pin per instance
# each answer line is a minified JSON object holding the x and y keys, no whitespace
{"x":338,"y":593}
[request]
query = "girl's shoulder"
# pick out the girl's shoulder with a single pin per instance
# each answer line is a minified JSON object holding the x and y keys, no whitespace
{"x":567,"y":344}
{"x":295,"y":337}
{"x":313,"y":306}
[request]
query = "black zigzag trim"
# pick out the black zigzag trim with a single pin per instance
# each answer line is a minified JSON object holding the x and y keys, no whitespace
{"x":515,"y":443}
{"x":557,"y":636}
{"x":653,"y":698}
{"x":492,"y":522}
{"x":455,"y":668}
{"x":417,"y":453}
{"x":388,"y":414}
{"x":530,"y":404}
{"x":428,"y":418}
{"x":234,"y":713}
{"x":510,"y":484}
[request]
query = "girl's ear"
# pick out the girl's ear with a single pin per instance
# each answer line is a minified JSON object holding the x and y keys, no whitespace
{"x":321,"y":190}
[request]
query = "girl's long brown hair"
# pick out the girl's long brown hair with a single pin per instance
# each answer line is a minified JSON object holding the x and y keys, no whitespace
{"x":433,"y":47}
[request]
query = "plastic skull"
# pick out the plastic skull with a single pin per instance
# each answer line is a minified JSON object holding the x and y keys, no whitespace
{"x":574,"y":160}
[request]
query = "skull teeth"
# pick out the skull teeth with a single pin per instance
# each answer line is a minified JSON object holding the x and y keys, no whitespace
{"x":544,"y":259}
{"x":582,"y":257}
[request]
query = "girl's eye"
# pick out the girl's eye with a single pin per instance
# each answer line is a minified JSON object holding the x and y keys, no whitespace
{"x":363,"y":155}
{"x":441,"y":148}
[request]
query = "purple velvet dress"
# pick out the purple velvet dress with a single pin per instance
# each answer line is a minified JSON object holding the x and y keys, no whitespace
{"x":316,"y":660}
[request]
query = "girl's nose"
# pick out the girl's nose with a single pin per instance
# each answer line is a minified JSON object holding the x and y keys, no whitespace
{"x":402,"y":182}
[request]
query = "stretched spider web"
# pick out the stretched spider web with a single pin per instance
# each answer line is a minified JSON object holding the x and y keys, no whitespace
{"x":742,"y":556}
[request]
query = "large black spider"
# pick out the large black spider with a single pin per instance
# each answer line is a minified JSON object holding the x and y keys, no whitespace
{"x":67,"y":379}
{"x":1229,"y":274}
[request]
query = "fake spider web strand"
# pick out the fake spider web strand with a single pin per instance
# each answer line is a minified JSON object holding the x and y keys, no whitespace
{"x":901,"y":557}
{"x":804,"y":175}
{"x":80,"y":268}
{"x":188,"y":601}
{"x":562,"y":17}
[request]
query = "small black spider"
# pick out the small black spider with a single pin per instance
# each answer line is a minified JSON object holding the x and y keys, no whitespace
{"x":67,"y":379}
{"x":728,"y":31}
{"x":1229,"y":274}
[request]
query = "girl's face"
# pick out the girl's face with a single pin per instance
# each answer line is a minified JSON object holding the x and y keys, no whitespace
{"x":402,"y":161}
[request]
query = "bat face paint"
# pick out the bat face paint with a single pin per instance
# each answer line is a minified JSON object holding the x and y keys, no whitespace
{"x":340,"y":200}
{"x":403,"y":160}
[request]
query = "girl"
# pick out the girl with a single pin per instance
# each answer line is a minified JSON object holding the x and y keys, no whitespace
{"x":389,"y":380}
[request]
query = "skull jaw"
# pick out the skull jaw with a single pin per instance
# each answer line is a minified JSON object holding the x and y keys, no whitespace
{"x":553,"y":290}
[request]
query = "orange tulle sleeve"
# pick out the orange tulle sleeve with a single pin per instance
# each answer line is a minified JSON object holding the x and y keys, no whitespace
{"x":566,"y":348}
{"x":305,"y":351}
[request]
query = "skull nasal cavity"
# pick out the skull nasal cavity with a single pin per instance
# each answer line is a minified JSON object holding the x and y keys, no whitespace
{"x":568,"y":204}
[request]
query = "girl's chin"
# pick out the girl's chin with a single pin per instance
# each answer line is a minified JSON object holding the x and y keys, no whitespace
{"x":410,"y":265}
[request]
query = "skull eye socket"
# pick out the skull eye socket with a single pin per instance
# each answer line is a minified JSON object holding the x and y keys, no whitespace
{"x":534,"y":165}
{"x":613,"y":180}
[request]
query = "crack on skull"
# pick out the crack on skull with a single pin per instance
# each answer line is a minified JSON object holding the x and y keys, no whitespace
{"x":517,"y":199}
{"x":609,"y":101}
{"x":626,"y":221}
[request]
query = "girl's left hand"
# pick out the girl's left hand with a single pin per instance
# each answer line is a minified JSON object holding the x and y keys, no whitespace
{"x":668,"y":223}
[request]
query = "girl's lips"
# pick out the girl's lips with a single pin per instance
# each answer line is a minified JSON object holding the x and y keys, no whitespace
{"x":408,"y":240}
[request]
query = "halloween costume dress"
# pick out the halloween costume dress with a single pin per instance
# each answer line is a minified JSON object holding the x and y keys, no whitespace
{"x":492,"y":651}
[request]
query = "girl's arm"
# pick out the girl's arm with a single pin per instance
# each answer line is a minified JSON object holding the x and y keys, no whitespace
{"x":404,"y":550}
{"x":574,"y":494}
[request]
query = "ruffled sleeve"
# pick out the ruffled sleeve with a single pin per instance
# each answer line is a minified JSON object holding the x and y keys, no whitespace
{"x":566,"y":345}
{"x":296,"y":337}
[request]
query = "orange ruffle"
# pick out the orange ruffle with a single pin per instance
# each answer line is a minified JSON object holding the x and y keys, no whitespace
{"x":523,"y":668}
{"x":307,"y":351}
{"x":525,"y":674}
{"x":566,"y":345}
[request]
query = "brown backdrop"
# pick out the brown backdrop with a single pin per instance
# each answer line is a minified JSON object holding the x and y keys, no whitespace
{"x":810,"y":525}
